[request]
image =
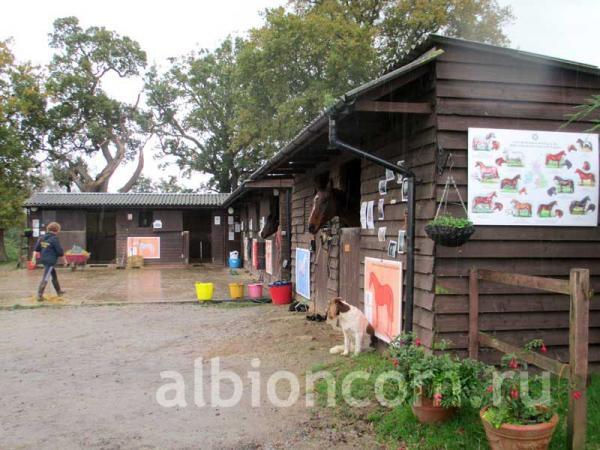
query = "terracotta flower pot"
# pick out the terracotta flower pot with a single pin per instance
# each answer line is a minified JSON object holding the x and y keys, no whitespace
{"x":427,"y":413}
{"x":517,"y":437}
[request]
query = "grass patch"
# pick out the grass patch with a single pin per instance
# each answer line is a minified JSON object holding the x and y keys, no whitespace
{"x":398,"y":427}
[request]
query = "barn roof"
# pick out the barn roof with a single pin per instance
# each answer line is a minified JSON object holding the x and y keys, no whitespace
{"x":122,"y":200}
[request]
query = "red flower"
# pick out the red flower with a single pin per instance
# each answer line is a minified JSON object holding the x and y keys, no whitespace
{"x":576,"y":395}
{"x":543,"y":348}
{"x":490,"y":389}
{"x":437,"y":399}
{"x":417,"y":342}
{"x":395,"y":362}
{"x":513,"y":364}
{"x":514,"y":394}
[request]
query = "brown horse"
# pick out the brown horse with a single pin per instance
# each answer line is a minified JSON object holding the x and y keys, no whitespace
{"x":272,"y":221}
{"x":327,"y":204}
{"x":546,"y":208}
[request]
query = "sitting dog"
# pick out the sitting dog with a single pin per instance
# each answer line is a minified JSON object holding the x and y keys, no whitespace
{"x":359,"y":335}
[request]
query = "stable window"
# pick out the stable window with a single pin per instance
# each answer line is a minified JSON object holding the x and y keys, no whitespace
{"x":145,"y":219}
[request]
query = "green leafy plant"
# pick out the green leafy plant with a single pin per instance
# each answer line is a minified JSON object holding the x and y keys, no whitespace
{"x":451,"y":221}
{"x":444,"y":378}
{"x":520,"y":398}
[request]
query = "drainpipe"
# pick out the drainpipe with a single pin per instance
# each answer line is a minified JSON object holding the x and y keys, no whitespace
{"x":410,"y":232}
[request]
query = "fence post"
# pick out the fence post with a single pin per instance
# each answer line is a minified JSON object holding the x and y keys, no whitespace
{"x":579,"y":286}
{"x":473,"y":314}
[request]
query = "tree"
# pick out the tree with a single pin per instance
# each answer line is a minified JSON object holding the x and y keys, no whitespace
{"x":194,"y":106}
{"x":398,"y":25}
{"x":169,"y":185}
{"x":85,"y":121}
{"x":22,"y":126}
{"x":589,"y":108}
{"x":293,"y":67}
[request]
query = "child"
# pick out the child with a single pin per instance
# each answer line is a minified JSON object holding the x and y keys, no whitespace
{"x":50,"y":249}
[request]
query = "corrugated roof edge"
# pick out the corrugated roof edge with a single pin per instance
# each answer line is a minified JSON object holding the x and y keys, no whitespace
{"x":57,"y":199}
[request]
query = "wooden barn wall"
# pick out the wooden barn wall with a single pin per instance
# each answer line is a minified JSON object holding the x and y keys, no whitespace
{"x":256,"y":206}
{"x":171,"y":240}
{"x":413,"y":141}
{"x":476,"y":89}
{"x":73,"y":225}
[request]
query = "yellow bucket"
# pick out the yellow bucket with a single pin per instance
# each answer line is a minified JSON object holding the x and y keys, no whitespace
{"x":236,"y":290}
{"x":204,"y":291}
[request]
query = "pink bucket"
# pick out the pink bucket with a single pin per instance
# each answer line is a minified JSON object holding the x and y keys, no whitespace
{"x":255,"y":290}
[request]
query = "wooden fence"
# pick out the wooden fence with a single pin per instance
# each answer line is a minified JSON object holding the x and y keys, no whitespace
{"x":577,"y":287}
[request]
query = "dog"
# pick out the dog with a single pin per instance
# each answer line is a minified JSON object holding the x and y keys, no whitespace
{"x":359,"y":335}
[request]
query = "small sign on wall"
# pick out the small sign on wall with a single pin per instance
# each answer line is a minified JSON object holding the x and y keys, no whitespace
{"x":157,"y":224}
{"x":217,"y":220}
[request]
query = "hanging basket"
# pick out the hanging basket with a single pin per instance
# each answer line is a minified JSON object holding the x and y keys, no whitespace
{"x":449,"y":236}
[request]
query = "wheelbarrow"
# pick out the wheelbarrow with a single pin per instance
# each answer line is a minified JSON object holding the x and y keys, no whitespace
{"x":77,"y":259}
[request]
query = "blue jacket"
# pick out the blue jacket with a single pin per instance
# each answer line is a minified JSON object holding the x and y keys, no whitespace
{"x":50,"y":248}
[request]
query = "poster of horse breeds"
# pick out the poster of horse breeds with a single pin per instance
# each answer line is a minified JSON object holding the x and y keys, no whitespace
{"x":523,"y":177}
{"x":383,"y":297}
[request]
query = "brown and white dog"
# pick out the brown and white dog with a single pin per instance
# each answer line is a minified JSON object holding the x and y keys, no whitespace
{"x":359,"y":335}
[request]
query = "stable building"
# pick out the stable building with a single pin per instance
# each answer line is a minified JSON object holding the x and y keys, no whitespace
{"x":167,"y":229}
{"x":420,"y":116}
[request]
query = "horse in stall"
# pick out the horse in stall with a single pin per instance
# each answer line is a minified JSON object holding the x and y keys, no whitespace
{"x":272,"y":221}
{"x":329,"y":203}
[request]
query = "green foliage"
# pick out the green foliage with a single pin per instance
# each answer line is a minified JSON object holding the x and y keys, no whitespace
{"x":518,"y":400}
{"x":145,"y":184}
{"x":591,"y":106}
{"x":398,"y":428}
{"x":84,"y":120}
{"x":448,"y":380}
{"x":194,"y":106}
{"x":22,"y":126}
{"x":451,"y":221}
{"x":398,"y":25}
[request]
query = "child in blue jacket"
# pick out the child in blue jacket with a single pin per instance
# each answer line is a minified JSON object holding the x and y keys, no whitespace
{"x":50,"y":249}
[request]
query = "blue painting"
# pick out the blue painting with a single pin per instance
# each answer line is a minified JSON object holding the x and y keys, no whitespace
{"x":303,"y":272}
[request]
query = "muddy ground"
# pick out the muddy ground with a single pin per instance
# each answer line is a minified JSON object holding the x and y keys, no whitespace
{"x":99,"y":285}
{"x":87,"y":376}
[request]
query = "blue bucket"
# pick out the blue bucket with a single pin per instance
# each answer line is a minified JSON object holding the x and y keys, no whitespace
{"x":235,"y":263}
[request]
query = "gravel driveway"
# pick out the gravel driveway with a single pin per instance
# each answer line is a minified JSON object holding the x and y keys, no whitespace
{"x":87,"y":376}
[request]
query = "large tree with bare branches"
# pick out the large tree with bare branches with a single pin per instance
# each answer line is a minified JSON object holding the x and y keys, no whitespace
{"x":92,"y":134}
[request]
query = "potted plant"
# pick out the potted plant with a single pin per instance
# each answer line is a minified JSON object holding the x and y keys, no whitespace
{"x":27,"y":232}
{"x":520,"y":412}
{"x":437,"y":384}
{"x":450,"y":231}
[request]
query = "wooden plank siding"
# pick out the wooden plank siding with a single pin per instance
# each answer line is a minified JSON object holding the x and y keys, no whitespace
{"x":477,"y":89}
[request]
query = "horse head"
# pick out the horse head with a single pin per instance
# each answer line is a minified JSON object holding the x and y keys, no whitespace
{"x":324,"y":208}
{"x":271,"y":225}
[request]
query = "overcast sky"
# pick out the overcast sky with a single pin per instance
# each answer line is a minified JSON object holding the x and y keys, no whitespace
{"x":561,"y":28}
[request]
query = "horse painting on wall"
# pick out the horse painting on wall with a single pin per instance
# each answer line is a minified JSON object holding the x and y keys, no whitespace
{"x":383,"y":297}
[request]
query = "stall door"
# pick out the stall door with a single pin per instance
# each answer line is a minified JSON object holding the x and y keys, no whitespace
{"x":350,"y":266}
{"x":320,"y":274}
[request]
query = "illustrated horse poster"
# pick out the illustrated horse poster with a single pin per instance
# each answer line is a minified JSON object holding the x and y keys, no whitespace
{"x":147,"y":246}
{"x":521,"y":177}
{"x":269,"y":257}
{"x":383,"y":297}
{"x":303,"y":272}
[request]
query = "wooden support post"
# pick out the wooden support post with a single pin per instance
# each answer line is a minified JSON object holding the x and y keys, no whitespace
{"x":579,"y":284}
{"x":473,"y":314}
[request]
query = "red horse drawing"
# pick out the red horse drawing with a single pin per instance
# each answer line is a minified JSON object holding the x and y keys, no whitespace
{"x":586,"y":178}
{"x":487,"y":172}
{"x":484,"y":200}
{"x":555,"y":157}
{"x":383,"y":296}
